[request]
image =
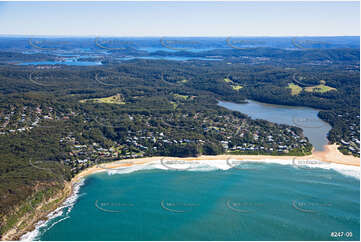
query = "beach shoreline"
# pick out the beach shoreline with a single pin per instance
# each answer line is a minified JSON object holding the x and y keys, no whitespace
{"x":330,"y":154}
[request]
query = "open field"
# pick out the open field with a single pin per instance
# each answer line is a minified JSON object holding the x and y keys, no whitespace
{"x":320,"y":88}
{"x":295,"y":89}
{"x":184,"y":97}
{"x":116,"y":99}
{"x":236,"y":87}
{"x":233,"y":85}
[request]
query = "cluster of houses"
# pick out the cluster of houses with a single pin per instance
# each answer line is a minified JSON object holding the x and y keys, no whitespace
{"x":352,"y":145}
{"x":243,"y":136}
{"x":351,"y":140}
{"x":21,"y":119}
{"x":233,"y":133}
{"x":238,"y":135}
{"x":83,"y":155}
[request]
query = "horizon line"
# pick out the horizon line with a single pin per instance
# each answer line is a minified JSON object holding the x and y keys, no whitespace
{"x":171,"y":36}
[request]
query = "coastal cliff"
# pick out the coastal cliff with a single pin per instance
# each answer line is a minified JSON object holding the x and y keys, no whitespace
{"x":25,"y":216}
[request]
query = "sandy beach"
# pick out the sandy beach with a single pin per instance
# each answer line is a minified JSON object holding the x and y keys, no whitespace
{"x":333,"y":155}
{"x":330,"y":154}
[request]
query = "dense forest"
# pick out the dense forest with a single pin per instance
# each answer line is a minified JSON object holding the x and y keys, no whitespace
{"x":56,"y":120}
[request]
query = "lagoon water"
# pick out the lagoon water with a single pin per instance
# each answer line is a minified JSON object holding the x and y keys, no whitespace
{"x":267,"y":201}
{"x":306,"y":118}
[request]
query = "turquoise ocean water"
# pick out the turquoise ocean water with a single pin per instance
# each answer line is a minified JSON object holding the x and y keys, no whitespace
{"x":266,"y":201}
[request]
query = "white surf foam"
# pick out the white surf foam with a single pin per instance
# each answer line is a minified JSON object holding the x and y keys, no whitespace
{"x":209,"y":165}
{"x":197,"y":165}
{"x":63,"y":210}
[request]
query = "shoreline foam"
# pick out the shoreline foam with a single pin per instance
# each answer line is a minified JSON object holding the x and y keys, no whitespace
{"x":68,"y":203}
{"x":330,"y":155}
{"x":330,"y":158}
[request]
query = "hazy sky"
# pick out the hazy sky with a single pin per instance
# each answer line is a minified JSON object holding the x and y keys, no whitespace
{"x":180,"y":18}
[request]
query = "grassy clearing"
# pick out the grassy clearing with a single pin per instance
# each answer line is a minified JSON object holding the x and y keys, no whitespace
{"x":174,"y":104}
{"x":184,"y":97}
{"x":320,"y":88}
{"x":116,"y":99}
{"x":236,"y":87}
{"x":295,"y":89}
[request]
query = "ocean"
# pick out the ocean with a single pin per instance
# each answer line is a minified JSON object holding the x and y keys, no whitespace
{"x":211,"y":200}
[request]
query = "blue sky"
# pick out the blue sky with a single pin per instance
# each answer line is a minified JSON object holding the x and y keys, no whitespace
{"x":180,"y":18}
